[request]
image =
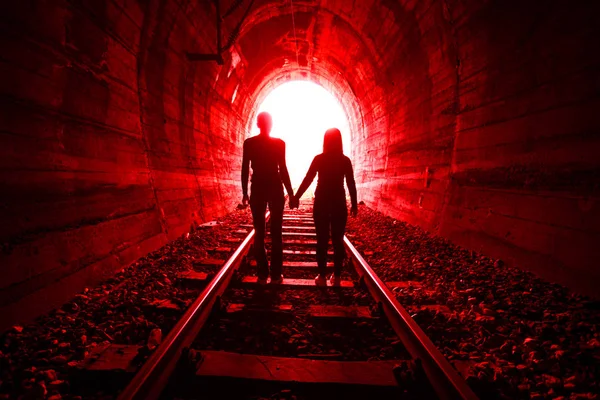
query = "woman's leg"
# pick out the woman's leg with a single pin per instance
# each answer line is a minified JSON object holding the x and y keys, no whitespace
{"x":338,"y":228}
{"x":321,"y":218}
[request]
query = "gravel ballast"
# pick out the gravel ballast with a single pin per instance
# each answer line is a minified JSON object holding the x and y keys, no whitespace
{"x":294,"y":333}
{"x":514,"y":335}
{"x":138,"y":306}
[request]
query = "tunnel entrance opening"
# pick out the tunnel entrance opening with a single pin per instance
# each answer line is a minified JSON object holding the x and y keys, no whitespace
{"x":302,"y":111}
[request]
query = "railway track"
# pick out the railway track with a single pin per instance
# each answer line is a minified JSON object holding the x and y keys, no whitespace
{"x":239,"y":339}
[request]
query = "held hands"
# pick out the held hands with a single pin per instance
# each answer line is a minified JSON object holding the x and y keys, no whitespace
{"x":294,"y":202}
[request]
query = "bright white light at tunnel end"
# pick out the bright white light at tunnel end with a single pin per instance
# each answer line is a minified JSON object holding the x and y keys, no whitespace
{"x":302,"y":111}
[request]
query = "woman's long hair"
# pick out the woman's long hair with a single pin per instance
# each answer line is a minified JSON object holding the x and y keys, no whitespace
{"x":332,"y":142}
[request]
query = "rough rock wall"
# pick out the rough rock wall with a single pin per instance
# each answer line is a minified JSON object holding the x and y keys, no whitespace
{"x":525,"y":171}
{"x":109,"y":141}
{"x":489,"y":134}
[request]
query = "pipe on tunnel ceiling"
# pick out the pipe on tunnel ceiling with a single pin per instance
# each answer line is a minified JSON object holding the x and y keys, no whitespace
{"x":233,"y":35}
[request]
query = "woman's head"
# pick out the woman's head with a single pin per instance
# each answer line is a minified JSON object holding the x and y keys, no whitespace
{"x":332,"y":142}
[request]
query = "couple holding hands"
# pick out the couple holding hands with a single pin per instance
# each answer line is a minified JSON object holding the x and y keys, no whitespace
{"x":269,"y":172}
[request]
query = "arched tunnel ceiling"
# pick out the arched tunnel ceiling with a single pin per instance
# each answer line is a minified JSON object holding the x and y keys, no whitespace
{"x":426,"y":86}
{"x":322,"y":36}
{"x":333,"y":44}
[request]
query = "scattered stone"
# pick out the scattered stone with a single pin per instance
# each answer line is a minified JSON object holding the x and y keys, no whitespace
{"x":154,"y":339}
{"x":164,"y":304}
{"x":60,"y":359}
{"x":50,"y":375}
{"x":39,"y":390}
{"x":56,"y":384}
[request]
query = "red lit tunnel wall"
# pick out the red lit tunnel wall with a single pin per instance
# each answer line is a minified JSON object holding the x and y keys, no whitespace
{"x":476,"y":120}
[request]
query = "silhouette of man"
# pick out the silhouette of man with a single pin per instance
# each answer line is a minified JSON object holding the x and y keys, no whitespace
{"x":267,"y":156}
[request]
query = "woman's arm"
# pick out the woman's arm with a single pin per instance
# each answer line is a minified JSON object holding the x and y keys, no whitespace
{"x":351,"y":186}
{"x":310,"y":176}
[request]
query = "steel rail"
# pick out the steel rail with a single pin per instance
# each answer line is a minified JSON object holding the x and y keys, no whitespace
{"x":447,"y":383}
{"x":152,"y":378}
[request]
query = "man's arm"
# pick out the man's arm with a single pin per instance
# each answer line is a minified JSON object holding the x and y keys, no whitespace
{"x":310,"y":176}
{"x":283,"y":171}
{"x":245,"y":172}
{"x":351,"y":186}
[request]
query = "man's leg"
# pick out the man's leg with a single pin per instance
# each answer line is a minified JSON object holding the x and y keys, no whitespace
{"x":276,"y":205}
{"x":259,"y":207}
{"x":321,"y":218}
{"x":338,"y":228}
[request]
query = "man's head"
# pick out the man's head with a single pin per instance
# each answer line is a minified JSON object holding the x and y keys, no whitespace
{"x":264,"y":121}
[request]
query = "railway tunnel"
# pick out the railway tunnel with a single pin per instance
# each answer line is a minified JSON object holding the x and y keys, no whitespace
{"x":122,"y":126}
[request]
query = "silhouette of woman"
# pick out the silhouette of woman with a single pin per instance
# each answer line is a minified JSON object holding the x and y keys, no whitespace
{"x":330,"y":207}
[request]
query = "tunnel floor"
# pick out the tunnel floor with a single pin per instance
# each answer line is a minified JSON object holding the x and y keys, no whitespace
{"x":512,"y":334}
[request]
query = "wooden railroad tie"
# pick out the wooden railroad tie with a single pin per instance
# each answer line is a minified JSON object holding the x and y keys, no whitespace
{"x":297,"y":370}
{"x":299,"y":283}
{"x":297,"y":264}
{"x":320,"y":311}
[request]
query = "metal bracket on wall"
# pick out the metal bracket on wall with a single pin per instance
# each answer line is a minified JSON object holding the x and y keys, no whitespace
{"x":233,"y":36}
